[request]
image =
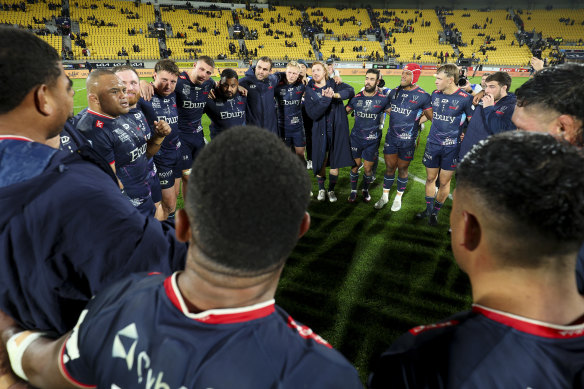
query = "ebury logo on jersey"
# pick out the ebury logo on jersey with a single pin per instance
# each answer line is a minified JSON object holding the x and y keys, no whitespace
{"x":124,"y":347}
{"x":125,"y":343}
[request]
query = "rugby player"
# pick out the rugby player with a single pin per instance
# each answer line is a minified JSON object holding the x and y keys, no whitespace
{"x":228,"y":108}
{"x":409,"y":103}
{"x":369,"y":106}
{"x":450,"y":108}
{"x":330,"y":128}
{"x":117,"y":138}
{"x":525,"y":328}
{"x":154,"y":138}
{"x":260,"y":85}
{"x":163,"y":106}
{"x":539,"y":109}
{"x":493,"y":114}
{"x":305,"y":118}
{"x":289,"y":92}
{"x":215,"y":324}
{"x":67,"y":231}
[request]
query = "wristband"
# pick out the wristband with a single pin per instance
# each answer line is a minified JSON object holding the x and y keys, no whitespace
{"x":16,"y":346}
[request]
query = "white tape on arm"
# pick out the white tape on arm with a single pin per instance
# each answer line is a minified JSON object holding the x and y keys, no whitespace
{"x":16,"y":346}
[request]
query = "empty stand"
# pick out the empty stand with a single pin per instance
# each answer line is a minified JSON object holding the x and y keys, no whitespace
{"x":105,"y":42}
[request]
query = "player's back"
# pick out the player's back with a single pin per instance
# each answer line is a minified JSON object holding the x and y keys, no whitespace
{"x":485,"y":348}
{"x":153,"y":338}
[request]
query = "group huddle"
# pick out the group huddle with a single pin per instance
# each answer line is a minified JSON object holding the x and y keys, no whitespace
{"x":95,"y":292}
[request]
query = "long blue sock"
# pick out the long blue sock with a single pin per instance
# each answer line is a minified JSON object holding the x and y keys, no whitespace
{"x":320,"y":182}
{"x":367,"y":181}
{"x":332,"y":181}
{"x":437,"y":206}
{"x":429,"y":204}
{"x":354,"y":180}
{"x":388,"y":181}
{"x":402,"y":183}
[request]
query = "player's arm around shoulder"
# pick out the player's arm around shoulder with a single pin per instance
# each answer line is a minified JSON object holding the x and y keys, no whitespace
{"x":344,"y":91}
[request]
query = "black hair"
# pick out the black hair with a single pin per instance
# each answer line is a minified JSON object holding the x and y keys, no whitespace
{"x":123,"y":68}
{"x":26,"y":61}
{"x":229,"y":73}
{"x":246,"y":198}
{"x":501,"y":78}
{"x":557,"y":88}
{"x":541,"y":209}
{"x":167,"y":65}
{"x":374,"y":71}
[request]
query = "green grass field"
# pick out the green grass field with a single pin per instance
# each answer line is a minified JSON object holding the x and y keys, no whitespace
{"x":361,"y":277}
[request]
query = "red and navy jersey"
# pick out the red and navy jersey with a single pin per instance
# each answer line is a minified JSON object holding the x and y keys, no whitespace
{"x":368,"y":114}
{"x":138,"y":116}
{"x":407,"y":107}
{"x":448,"y":117}
{"x":226,"y":113}
{"x":289,"y":102}
{"x":139,"y":333}
{"x":484,"y":348}
{"x":191,"y":99}
{"x":120,"y":141}
{"x":163,"y":108}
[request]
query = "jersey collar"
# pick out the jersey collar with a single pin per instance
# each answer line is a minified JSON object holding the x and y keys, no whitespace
{"x":100,"y":114}
{"x":217,"y":316}
{"x":15,"y":137}
{"x":530,"y":326}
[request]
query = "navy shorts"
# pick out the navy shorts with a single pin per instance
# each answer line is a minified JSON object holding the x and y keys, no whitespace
{"x":190,"y":146}
{"x":366,"y":149}
{"x":168,"y":166}
{"x":296,"y":139}
{"x":403,"y":148}
{"x":437,"y":156}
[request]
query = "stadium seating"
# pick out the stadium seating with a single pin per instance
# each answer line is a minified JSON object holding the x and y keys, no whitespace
{"x":274,"y":46}
{"x":192,"y":24}
{"x":425,"y":38}
{"x":104,"y":42}
{"x":505,"y":53}
{"x":26,"y":19}
{"x":340,"y":20}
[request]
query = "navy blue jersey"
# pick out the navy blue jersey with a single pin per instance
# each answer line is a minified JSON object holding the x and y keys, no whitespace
{"x":122,"y":142}
{"x":484,"y":348}
{"x":71,"y":139}
{"x":407,"y":107}
{"x":448,"y":116}
{"x":67,"y":231}
{"x":152,"y":340}
{"x":260,"y":101}
{"x":289,"y":98}
{"x":368,"y":111}
{"x":226,"y":113}
{"x":488,"y":121}
{"x":163,"y":108}
{"x":191,"y":99}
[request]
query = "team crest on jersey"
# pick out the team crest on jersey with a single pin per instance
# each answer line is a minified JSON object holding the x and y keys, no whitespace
{"x":99,"y":124}
{"x":455,"y":102}
{"x":186,"y":90}
{"x":415,"y":97}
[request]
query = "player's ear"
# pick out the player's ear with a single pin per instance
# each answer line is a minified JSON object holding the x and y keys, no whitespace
{"x":570,"y":128}
{"x":471,"y":231}
{"x":304,"y":225}
{"x":182,"y":226}
{"x":43,"y":100}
